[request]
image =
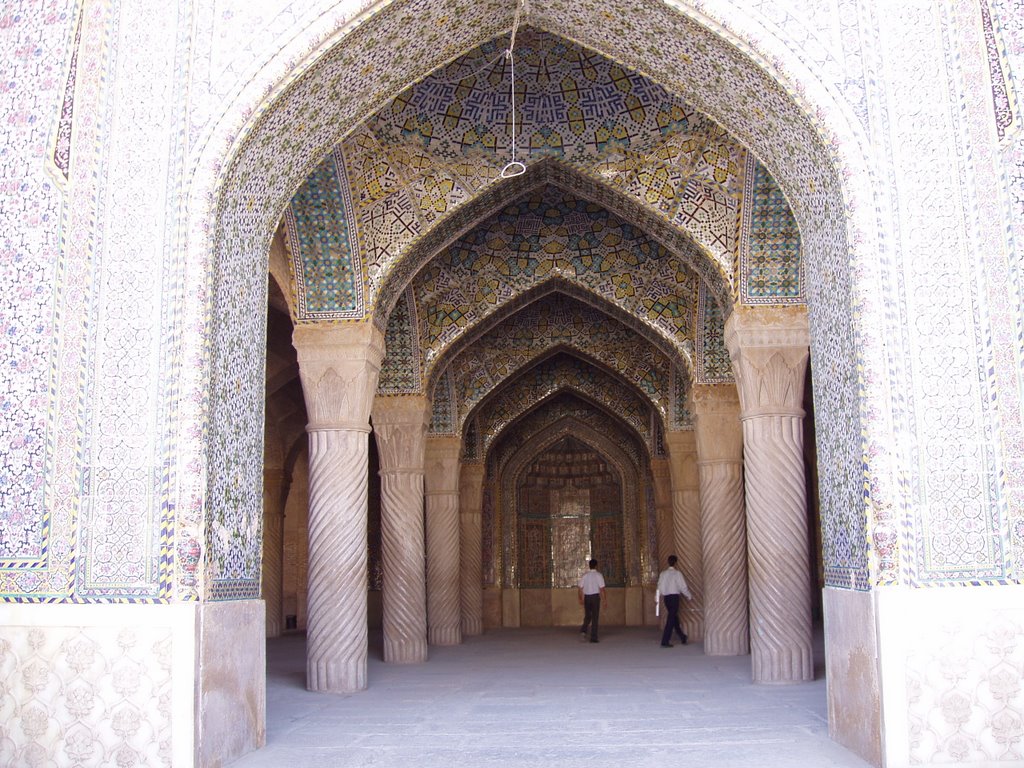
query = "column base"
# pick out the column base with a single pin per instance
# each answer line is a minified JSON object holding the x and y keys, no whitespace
{"x":444,"y":635}
{"x":404,"y":652}
{"x":327,"y":675}
{"x":725,"y":644}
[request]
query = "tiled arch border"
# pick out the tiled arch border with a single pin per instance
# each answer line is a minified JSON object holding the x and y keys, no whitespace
{"x":634,"y":524}
{"x":598,"y":394}
{"x":674,"y":355}
{"x":232,"y":215}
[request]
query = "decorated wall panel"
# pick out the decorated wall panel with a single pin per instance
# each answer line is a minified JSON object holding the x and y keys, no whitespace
{"x":558,"y":322}
{"x":446,"y":138}
{"x":508,"y":484}
{"x":544,"y":237}
{"x":555,"y":374}
{"x":34,"y":556}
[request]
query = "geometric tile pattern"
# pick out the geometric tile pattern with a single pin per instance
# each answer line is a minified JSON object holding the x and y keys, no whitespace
{"x":328,"y":272}
{"x":444,"y":139}
{"x":563,"y":372}
{"x":546,"y":237}
{"x":400,"y":369}
{"x":559,"y":322}
{"x":770,"y":244}
{"x":713,"y":365}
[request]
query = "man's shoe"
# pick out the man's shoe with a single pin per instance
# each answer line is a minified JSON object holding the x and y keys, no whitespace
{"x":593,"y":640}
{"x":666,"y":645}
{"x":683,"y":641}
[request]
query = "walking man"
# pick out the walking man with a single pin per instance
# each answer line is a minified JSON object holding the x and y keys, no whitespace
{"x":671,"y":585}
{"x":591,"y":594}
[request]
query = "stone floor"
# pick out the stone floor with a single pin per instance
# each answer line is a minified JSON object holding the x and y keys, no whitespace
{"x":540,"y":697}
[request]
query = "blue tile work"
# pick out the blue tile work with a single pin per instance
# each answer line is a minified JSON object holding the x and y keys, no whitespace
{"x":713,"y":363}
{"x":443,"y":140}
{"x":328,"y":274}
{"x":557,"y":322}
{"x":552,"y":235}
{"x":770,"y":271}
{"x":400,"y":369}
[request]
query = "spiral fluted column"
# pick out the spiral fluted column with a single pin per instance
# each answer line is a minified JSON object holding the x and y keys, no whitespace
{"x":471,"y":498}
{"x":769,"y":354}
{"x":274,"y":493}
{"x":400,"y":426}
{"x":723,"y":519}
{"x":663,"y":526}
{"x":444,"y":610}
{"x":682,"y":451}
{"x":338,"y":366}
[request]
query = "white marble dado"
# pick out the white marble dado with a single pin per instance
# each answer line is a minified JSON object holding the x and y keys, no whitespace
{"x":136,"y":685}
{"x":952,"y":669}
{"x":97,"y":684}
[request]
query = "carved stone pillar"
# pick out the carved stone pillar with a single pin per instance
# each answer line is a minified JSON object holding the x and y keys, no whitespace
{"x":400,"y":426}
{"x":663,"y":526}
{"x":274,"y":495}
{"x":682,"y":452}
{"x":444,"y":611}
{"x":471,"y":498}
{"x":723,"y":519}
{"x":338,"y":366}
{"x":769,"y":354}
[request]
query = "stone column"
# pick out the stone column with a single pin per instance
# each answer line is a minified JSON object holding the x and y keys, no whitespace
{"x":444,"y":611}
{"x":274,"y":494}
{"x":471,"y":499}
{"x":662,"y":476}
{"x":338,"y":365}
{"x":400,"y":426}
{"x":769,"y":354}
{"x":682,"y":454}
{"x":723,"y":519}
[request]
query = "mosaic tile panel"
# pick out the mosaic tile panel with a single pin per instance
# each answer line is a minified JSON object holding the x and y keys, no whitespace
{"x":442,"y":403}
{"x":327,"y":269}
{"x":540,"y":328}
{"x":493,"y":199}
{"x":770,"y":270}
{"x":400,"y":369}
{"x":127,"y":522}
{"x":713,"y":363}
{"x":30,"y":260}
{"x":564,"y":407}
{"x":446,"y":137}
{"x":687,"y":58}
{"x":563,"y":372}
{"x":545,"y":237}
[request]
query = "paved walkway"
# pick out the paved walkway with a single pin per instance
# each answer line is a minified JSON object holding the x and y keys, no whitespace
{"x":540,"y":697}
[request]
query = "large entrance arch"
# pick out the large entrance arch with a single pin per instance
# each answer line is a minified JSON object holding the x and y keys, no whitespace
{"x":248,"y":202}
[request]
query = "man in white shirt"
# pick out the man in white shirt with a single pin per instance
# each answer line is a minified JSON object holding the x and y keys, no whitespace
{"x":671,"y":585}
{"x":591,"y":594}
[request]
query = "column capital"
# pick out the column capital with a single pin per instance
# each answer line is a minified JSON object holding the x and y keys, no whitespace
{"x":400,"y":425}
{"x":442,"y":464}
{"x":338,"y":366}
{"x":471,"y":478}
{"x":769,"y":351}
{"x":717,"y":421}
{"x":682,"y":457}
{"x":715,"y":398}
